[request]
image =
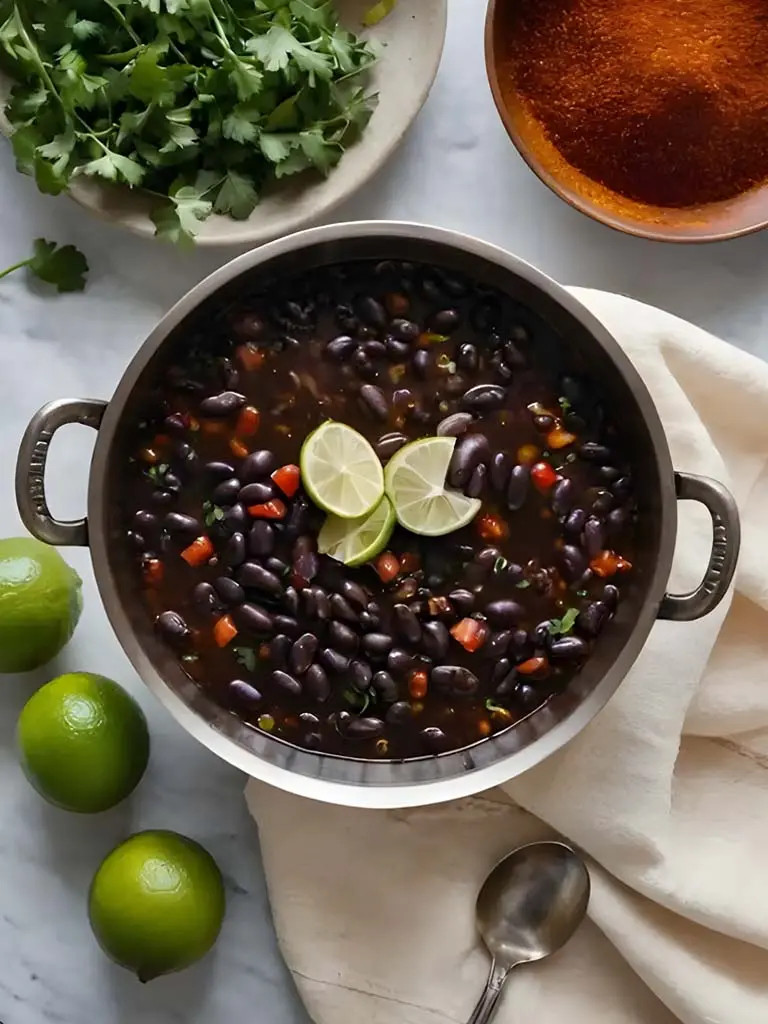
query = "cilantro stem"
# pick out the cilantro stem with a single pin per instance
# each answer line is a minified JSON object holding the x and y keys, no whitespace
{"x":16,"y":266}
{"x":34,"y":53}
{"x":124,"y":22}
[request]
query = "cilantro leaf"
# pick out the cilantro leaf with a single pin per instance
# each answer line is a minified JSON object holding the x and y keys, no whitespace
{"x":245,"y":656}
{"x":114,"y":167}
{"x":178,"y":220}
{"x":563,"y":626}
{"x":237,"y":196}
{"x":63,"y":266}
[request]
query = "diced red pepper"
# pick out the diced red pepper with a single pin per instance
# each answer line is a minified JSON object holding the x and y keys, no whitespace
{"x":249,"y":357}
{"x":492,"y":527}
{"x":287,"y":479}
{"x":608,"y":563}
{"x":238,"y":448}
{"x":224,"y":631}
{"x":543,"y":476}
{"x":418,"y":682}
{"x":199,"y":551}
{"x":484,"y":727}
{"x":531,"y":666}
{"x":153,"y":571}
{"x":470,"y":633}
{"x":248,"y":421}
{"x":274,"y":509}
{"x":387,"y":566}
{"x":559,"y":438}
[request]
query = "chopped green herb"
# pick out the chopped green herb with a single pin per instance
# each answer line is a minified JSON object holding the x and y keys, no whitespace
{"x":581,"y":593}
{"x":212,"y":513}
{"x":560,"y":627}
{"x":492,"y":706}
{"x":157,"y":473}
{"x":247,"y":657}
{"x":359,"y":701}
{"x":266,"y":722}
{"x":430,"y":338}
{"x":564,"y":403}
{"x":62,"y":266}
{"x":523,"y":584}
{"x":500,"y":564}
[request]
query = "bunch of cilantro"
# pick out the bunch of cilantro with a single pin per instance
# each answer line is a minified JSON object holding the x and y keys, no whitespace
{"x":201,"y":103}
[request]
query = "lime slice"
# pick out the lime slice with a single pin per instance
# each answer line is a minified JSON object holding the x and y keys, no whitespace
{"x":356,"y":541}
{"x":415,"y":483}
{"x":341,"y":471}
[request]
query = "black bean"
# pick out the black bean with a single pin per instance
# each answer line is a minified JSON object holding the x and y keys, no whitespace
{"x":316,"y":683}
{"x":235,"y":517}
{"x":371,"y":311}
{"x":280,"y":649}
{"x":399,"y":713}
{"x":377,"y":645}
{"x":388,"y":444}
{"x":385,"y":685}
{"x":364,"y":728}
{"x":226,"y":492}
{"x":374,"y":350}
{"x":406,"y":623}
{"x":464,"y":600}
{"x":257,"y":493}
{"x":400,"y":662}
{"x":543,"y":423}
{"x":431,"y":289}
{"x":513,"y":357}
{"x":470,"y":451}
{"x":454,"y":425}
{"x":162,"y":498}
{"x":572,"y":562}
{"x":435,"y":640}
{"x":374,"y":402}
{"x":455,"y":680}
{"x":261,"y":539}
{"x":611,"y":596}
{"x":234,"y":550}
{"x":603,"y":502}
{"x":229,"y":591}
{"x":517,"y":488}
{"x":333,"y":661}
{"x":287,"y":624}
{"x":507,"y":684}
{"x":178,"y":522}
{"x":421,"y":363}
{"x":609,"y":474}
{"x":487,"y":558}
{"x":321,"y":602}
{"x":340,"y":348}
{"x":591,"y":451}
{"x":592,"y":618}
{"x":223,"y":404}
{"x":397,"y":351}
{"x":251,"y":574}
{"x":467,"y":357}
{"x":504,"y":613}
{"x":244,"y":694}
{"x":404,"y":330}
{"x":291,"y":601}
{"x":484,"y":398}
{"x":477,"y":481}
{"x":446,"y":321}
{"x":247,"y":327}
{"x":306,"y":566}
{"x":527,"y":696}
{"x":286,"y":683}
{"x":369,"y":622}
{"x":501,"y":467}
{"x":257,"y":466}
{"x":500,"y":369}
{"x":172,"y":625}
{"x":563,"y":496}
{"x":341,"y":609}
{"x":363,"y":366}
{"x":303,"y":653}
{"x":354,"y":594}
{"x":622,"y":488}
{"x":307,"y":718}
{"x":520,"y":641}
{"x":255,"y":618}
{"x":342,"y":638}
{"x":172,"y":483}
{"x":218,"y":471}
{"x":500,"y":670}
{"x":146,"y":523}
{"x":497,"y":644}
{"x":175,"y":424}
{"x":299,"y":515}
{"x":593,"y":536}
{"x":574,"y":523}
{"x":568,"y":648}
{"x":617,"y":520}
{"x":434,"y":739}
{"x":541,"y":633}
{"x":206,"y":598}
{"x":136,"y":540}
{"x":514,"y":573}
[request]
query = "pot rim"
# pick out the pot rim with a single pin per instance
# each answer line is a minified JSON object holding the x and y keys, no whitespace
{"x":355,"y":794}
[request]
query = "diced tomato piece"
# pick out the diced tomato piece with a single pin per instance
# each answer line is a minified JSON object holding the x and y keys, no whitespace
{"x":470,"y":633}
{"x":531,"y":666}
{"x":249,"y":357}
{"x":418,"y":682}
{"x":484,"y":727}
{"x":238,"y":448}
{"x":199,"y":551}
{"x":543,"y":476}
{"x":387,"y":566}
{"x":287,"y":479}
{"x":248,"y":421}
{"x":224,"y":631}
{"x":492,"y":527}
{"x":153,"y":570}
{"x":268,"y":510}
{"x":608,"y":563}
{"x":559,"y":438}
{"x":410,"y":562}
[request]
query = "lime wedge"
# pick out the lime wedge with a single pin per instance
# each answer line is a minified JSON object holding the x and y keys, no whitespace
{"x":415,"y":483}
{"x":341,"y":472}
{"x":356,"y":541}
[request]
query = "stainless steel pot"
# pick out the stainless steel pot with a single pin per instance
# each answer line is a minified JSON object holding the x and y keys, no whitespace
{"x":425,"y":780}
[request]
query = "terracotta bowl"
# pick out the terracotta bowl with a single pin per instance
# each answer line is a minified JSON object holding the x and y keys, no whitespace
{"x":712,"y":222}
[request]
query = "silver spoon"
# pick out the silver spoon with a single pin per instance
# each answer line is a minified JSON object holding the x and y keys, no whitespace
{"x":528,"y":908}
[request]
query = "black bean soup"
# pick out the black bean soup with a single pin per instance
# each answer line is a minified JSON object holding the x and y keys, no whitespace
{"x":438,"y":643}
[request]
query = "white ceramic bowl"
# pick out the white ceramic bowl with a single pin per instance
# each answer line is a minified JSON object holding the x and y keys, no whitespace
{"x":411,"y":44}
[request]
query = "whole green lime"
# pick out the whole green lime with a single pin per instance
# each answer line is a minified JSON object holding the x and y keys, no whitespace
{"x":156,"y":904}
{"x":83,"y":742}
{"x":40,"y":603}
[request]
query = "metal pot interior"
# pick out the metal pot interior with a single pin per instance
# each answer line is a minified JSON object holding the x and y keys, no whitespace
{"x":627,"y":403}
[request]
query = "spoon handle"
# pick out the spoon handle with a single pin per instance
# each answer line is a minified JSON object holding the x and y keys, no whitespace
{"x":486,"y":1005}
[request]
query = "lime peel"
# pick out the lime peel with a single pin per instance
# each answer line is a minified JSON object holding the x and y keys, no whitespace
{"x":357,"y":541}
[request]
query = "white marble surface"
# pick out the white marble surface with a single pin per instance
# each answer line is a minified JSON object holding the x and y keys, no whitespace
{"x":457,"y":169}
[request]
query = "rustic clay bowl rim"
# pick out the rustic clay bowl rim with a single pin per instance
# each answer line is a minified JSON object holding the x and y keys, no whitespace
{"x":722,"y":221}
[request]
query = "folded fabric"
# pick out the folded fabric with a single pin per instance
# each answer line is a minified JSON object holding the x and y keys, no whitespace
{"x":666,"y":791}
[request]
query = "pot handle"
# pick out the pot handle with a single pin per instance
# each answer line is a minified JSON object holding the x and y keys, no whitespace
{"x":30,"y":469}
{"x":726,"y":541}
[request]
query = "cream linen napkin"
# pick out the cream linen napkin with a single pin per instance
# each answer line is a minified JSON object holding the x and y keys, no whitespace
{"x":666,"y":791}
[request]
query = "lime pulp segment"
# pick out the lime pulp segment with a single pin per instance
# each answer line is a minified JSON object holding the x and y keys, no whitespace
{"x":341,"y":472}
{"x":356,"y":541}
